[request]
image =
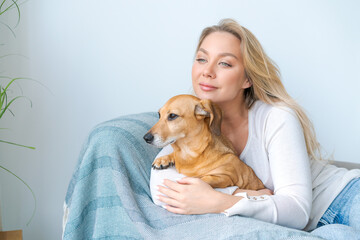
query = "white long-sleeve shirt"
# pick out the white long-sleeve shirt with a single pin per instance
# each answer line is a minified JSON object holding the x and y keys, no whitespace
{"x":276,"y":151}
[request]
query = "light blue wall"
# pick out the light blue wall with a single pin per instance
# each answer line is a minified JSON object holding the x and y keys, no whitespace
{"x":102,"y":59}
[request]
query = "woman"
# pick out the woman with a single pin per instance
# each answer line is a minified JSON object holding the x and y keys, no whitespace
{"x":271,"y":134}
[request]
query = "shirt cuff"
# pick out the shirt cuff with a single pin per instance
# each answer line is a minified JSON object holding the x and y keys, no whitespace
{"x":259,"y":207}
{"x":228,"y":190}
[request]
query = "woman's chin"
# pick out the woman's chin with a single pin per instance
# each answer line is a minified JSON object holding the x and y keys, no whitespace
{"x":211,"y":95}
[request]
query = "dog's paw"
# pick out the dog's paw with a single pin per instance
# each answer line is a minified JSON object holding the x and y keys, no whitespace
{"x":163,"y":162}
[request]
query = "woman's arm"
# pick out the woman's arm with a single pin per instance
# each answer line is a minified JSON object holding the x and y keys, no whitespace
{"x":194,"y":196}
{"x":289,"y":167}
{"x":289,"y":170}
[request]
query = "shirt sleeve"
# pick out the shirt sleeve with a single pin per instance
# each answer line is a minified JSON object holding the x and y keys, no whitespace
{"x":157,"y":176}
{"x":290,"y":205}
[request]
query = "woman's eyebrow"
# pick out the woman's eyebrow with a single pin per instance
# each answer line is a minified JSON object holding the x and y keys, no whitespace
{"x":203,"y":50}
{"x":228,"y":54}
{"x":221,"y":54}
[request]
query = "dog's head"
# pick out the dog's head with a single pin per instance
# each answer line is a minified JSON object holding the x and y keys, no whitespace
{"x":184,"y":116}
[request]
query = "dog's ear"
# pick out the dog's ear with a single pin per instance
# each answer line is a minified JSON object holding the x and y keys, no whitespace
{"x":207,"y":109}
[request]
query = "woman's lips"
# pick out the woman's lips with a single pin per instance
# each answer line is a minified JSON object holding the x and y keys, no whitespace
{"x":207,"y":87}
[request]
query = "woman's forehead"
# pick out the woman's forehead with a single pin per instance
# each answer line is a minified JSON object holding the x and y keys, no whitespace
{"x":221,"y":43}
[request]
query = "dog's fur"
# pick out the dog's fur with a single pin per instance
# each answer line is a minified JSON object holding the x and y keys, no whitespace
{"x":193,"y":128}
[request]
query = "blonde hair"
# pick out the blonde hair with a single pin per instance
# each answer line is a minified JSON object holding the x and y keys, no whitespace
{"x":264,"y":75}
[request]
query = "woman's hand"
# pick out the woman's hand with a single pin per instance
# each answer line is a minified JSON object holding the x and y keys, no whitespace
{"x":194,"y":196}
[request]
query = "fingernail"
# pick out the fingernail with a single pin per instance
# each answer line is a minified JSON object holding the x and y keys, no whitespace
{"x":163,"y":206}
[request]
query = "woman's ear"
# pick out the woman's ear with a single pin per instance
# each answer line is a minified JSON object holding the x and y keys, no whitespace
{"x":247,"y":83}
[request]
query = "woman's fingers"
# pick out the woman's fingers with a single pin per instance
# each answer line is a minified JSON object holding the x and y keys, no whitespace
{"x":189,"y":196}
{"x":188,"y":180}
{"x":173,"y":185}
{"x":174,"y":209}
{"x":168,"y":192}
{"x":169,"y":201}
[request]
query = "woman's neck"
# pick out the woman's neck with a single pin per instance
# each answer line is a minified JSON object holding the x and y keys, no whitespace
{"x":235,"y":125}
{"x":234,"y":114}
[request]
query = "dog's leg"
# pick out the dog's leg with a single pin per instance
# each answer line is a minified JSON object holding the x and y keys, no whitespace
{"x":163,"y":162}
{"x":218,"y":181}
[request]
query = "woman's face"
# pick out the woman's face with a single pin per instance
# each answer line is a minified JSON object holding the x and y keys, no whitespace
{"x":218,"y":73}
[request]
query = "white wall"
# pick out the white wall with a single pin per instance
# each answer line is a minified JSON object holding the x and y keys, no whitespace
{"x":102,"y":59}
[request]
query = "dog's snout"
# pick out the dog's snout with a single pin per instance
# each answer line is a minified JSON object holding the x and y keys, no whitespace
{"x":149,"y":137}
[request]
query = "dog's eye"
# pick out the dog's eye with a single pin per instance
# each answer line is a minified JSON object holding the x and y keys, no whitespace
{"x":159,"y":115}
{"x":172,"y":116}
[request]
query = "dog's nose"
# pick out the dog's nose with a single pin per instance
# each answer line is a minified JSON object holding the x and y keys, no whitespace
{"x":149,"y":137}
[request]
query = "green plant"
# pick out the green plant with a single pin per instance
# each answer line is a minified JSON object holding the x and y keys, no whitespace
{"x":5,"y":99}
{"x":5,"y":104}
{"x":6,"y":6}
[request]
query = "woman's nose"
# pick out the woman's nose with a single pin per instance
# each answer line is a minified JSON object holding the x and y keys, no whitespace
{"x":209,"y":71}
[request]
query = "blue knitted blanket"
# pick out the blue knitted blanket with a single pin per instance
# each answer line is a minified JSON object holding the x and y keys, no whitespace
{"x":109,"y":196}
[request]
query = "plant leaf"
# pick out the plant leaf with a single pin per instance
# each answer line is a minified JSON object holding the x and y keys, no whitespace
{"x":14,"y":4}
{"x":12,"y":101}
{"x":32,"y":192}
{"x":8,"y":27}
{"x":2,"y":4}
{"x":19,"y":145}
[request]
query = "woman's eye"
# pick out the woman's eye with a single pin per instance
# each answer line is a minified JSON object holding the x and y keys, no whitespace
{"x":200,"y":60}
{"x":172,"y":116}
{"x":225,"y":64}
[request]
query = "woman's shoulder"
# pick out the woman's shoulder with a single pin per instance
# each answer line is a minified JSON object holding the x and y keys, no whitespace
{"x":262,"y":110}
{"x":276,"y":124}
{"x":269,"y":118}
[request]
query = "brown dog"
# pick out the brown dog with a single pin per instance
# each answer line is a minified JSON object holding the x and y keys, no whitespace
{"x":193,"y":128}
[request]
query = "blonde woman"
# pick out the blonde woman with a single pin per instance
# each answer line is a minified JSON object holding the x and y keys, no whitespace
{"x":270,"y":132}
